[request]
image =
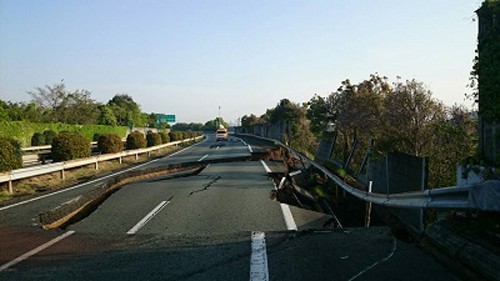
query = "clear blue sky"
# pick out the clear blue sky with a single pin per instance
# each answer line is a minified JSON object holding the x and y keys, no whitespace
{"x":189,"y":57}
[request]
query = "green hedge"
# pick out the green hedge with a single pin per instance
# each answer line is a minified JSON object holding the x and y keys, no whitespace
{"x":135,"y":140}
{"x":164,"y":137}
{"x":68,"y":146}
{"x":109,"y":143}
{"x":23,"y":130}
{"x":153,"y":139}
{"x":10,"y":154}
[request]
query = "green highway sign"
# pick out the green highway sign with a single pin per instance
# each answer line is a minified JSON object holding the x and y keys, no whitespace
{"x":165,"y":118}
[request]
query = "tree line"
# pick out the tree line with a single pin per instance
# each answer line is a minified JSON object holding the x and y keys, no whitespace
{"x":385,"y":117}
{"x":56,"y":104}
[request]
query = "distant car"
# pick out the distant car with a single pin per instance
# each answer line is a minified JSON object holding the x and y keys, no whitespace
{"x":221,"y":134}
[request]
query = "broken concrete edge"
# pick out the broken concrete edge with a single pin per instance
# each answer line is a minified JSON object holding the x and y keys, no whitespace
{"x":465,"y":256}
{"x":64,"y":213}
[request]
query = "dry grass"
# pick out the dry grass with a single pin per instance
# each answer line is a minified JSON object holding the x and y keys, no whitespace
{"x":53,"y":181}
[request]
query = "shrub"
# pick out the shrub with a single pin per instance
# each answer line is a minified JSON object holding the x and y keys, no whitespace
{"x":164,"y":137}
{"x":48,"y":136}
{"x":37,"y":139}
{"x":153,"y":139}
{"x":135,"y":140}
{"x":10,"y":154}
{"x":109,"y":143}
{"x":68,"y":146}
{"x":175,"y":136}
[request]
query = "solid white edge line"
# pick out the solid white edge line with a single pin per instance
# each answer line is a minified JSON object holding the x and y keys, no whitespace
{"x":35,"y":251}
{"x":76,"y":186}
{"x":201,"y":159}
{"x":285,"y":209}
{"x":287,"y":214}
{"x":92,"y":181}
{"x":147,"y":218}
{"x":258,"y":261}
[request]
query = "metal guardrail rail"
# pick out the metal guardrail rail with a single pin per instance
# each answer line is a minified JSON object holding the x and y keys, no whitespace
{"x":24,"y":173}
{"x":453,"y":197}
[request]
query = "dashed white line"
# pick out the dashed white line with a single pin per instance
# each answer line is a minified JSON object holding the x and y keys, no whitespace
{"x":202,"y":158}
{"x":35,"y":251}
{"x":250,"y":149}
{"x":148,"y":217}
{"x":265,"y":166}
{"x":258,"y":260}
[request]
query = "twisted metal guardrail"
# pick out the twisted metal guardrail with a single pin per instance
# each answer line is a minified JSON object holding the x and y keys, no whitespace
{"x":484,"y":196}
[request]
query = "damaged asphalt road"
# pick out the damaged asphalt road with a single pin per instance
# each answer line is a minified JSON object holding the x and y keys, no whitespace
{"x":205,"y":236}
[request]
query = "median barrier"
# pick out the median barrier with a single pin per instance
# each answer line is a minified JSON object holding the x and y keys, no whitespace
{"x":24,"y":173}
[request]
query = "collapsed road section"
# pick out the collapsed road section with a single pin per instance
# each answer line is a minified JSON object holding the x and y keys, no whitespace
{"x":82,"y":206}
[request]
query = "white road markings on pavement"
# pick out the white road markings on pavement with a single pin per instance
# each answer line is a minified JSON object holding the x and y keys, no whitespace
{"x":265,"y":166}
{"x":93,"y":181}
{"x":76,"y":186}
{"x":35,"y":251}
{"x":258,"y":260}
{"x":201,"y":159}
{"x":148,"y":217}
{"x":394,"y":246}
{"x":287,"y":214}
{"x":250,"y":149}
{"x":285,"y":209}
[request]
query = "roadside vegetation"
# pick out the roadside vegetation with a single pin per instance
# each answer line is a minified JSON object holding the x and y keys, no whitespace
{"x":53,"y":181}
{"x":377,"y":115}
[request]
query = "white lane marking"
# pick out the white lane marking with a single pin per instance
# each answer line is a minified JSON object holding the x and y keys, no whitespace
{"x":285,"y":209}
{"x":265,"y":166}
{"x":148,"y":217}
{"x":394,"y":246}
{"x":250,"y":149}
{"x":201,"y":159}
{"x":258,"y":261}
{"x":93,"y":181}
{"x":35,"y":251}
{"x":287,"y":214}
{"x":76,"y":186}
{"x":217,"y":148}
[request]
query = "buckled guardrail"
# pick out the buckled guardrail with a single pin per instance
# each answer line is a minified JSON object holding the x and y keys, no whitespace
{"x":484,"y":196}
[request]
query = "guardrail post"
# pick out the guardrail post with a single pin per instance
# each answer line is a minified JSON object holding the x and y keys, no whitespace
{"x":136,"y":156}
{"x":368,"y":207}
{"x":120,"y":159}
{"x":96,"y":164}
{"x":63,"y":176}
{"x":11,"y":190}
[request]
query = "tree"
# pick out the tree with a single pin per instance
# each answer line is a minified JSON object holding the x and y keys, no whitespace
{"x":126,"y":110}
{"x":106,"y":116}
{"x":213,"y":125}
{"x":78,"y":108}
{"x":49,"y":98}
{"x":248,"y":121}
{"x":58,"y":105}
{"x":408,"y":118}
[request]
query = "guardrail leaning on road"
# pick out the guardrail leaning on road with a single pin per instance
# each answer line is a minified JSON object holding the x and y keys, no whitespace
{"x":484,"y":196}
{"x":24,"y":173}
